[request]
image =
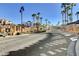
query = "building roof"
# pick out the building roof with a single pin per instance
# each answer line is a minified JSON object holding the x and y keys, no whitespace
{"x":75,"y":22}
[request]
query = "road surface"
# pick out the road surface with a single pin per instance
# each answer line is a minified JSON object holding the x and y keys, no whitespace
{"x":42,"y":44}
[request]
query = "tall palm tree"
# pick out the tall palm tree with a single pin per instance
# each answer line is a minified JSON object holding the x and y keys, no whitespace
{"x":46,"y":20}
{"x":29,"y":23}
{"x":58,"y":23}
{"x":34,"y":16}
{"x":21,"y":11}
{"x":62,"y":12}
{"x":38,"y":21}
{"x":41,"y":20}
{"x":63,"y":6}
{"x":70,"y":20}
{"x":66,"y":8}
{"x":38,"y":17}
{"x":72,"y":5}
{"x":49,"y":22}
{"x":77,"y":13}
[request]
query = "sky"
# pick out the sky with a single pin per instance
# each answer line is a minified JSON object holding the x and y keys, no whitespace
{"x":50,"y":11}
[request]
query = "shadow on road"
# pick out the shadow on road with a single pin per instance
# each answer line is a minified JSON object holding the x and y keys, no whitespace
{"x":33,"y":49}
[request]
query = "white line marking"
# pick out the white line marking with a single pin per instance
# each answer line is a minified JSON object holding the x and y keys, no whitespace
{"x":40,"y":47}
{"x":63,"y":48}
{"x":51,"y":52}
{"x":60,"y":43}
{"x":43,"y":54}
{"x":73,"y":38}
{"x":50,"y":45}
{"x":54,"y":44}
{"x":46,"y":46}
{"x":57,"y":50}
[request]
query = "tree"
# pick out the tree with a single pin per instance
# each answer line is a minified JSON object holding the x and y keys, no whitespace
{"x":77,"y":13}
{"x":70,"y":20}
{"x":21,"y":11}
{"x":41,"y":19}
{"x":38,"y":17}
{"x":46,"y":20}
{"x":71,"y":7}
{"x":62,"y":12}
{"x":66,"y":8}
{"x":63,"y":6}
{"x":28,"y":23}
{"x":34,"y":16}
{"x":49,"y":22}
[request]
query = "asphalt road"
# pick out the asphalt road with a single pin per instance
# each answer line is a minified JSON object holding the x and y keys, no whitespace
{"x":52,"y":43}
{"x":14,"y":43}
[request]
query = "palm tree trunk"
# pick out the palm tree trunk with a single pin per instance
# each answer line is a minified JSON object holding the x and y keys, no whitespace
{"x":71,"y":14}
{"x":62,"y":19}
{"x":41,"y":21}
{"x":21,"y":20}
{"x":65,"y":14}
{"x":77,"y":17}
{"x":33,"y":20}
{"x":67,"y":17}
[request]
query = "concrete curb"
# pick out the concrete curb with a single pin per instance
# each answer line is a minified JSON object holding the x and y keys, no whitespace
{"x":71,"y":49}
{"x":77,"y":47}
{"x":18,"y":35}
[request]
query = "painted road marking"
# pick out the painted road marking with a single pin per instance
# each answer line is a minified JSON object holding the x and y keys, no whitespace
{"x":40,"y":47}
{"x":63,"y":48}
{"x":50,"y":45}
{"x":57,"y":50}
{"x":46,"y":46}
{"x":43,"y":54}
{"x":54,"y":43}
{"x":51,"y":52}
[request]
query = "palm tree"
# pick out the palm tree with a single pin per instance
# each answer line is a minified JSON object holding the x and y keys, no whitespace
{"x":37,"y":21}
{"x":49,"y":22}
{"x":34,"y":16}
{"x":38,"y":17}
{"x":46,"y":20}
{"x":71,"y":7}
{"x":77,"y":13}
{"x":58,"y":23}
{"x":21,"y":11}
{"x":41,"y":20}
{"x":38,"y":13}
{"x":29,"y":23}
{"x":70,"y":20}
{"x":62,"y":12}
{"x":66,"y":8}
{"x":63,"y":6}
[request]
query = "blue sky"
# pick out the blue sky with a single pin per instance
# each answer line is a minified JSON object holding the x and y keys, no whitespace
{"x":51,"y":11}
